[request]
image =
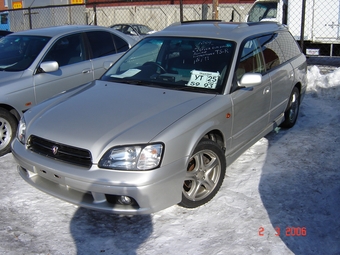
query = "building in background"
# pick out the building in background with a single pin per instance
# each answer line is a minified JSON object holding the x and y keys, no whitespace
{"x":17,"y":4}
{"x":4,"y":22}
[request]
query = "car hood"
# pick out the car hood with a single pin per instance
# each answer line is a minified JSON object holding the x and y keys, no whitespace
{"x":5,"y":76}
{"x":108,"y":114}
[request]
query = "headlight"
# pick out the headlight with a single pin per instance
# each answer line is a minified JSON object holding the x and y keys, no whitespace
{"x":21,"y":133}
{"x":139,"y":157}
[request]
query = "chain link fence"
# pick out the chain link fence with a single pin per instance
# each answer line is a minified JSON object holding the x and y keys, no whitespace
{"x":314,"y":24}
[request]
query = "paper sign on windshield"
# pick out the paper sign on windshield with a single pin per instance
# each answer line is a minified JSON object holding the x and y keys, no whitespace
{"x":202,"y":79}
{"x":128,"y":73}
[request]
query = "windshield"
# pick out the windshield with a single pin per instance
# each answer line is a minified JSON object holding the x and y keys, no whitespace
{"x":195,"y":64}
{"x":262,"y":10}
{"x":19,"y":51}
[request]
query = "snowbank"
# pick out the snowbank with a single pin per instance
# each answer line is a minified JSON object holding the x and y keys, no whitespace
{"x":324,"y":85}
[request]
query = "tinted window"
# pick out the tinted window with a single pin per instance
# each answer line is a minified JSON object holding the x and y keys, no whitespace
{"x":288,"y":45}
{"x":18,"y":52}
{"x":67,"y":50}
{"x":272,"y":53}
{"x":121,"y":44}
{"x":251,"y":60}
{"x":101,"y":43}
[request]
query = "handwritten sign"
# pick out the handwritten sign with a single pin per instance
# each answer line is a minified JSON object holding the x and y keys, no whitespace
{"x":202,"y":79}
{"x":205,"y":50}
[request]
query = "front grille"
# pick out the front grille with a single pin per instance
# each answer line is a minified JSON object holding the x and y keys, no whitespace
{"x":58,"y":151}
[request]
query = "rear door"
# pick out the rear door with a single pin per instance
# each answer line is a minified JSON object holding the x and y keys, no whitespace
{"x":278,"y":50}
{"x":105,"y":47}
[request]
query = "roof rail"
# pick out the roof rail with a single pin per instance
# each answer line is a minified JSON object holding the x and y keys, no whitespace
{"x":201,"y":21}
{"x":195,"y":21}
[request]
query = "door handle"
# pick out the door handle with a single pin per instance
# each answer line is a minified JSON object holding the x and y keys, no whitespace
{"x":266,"y":90}
{"x":86,"y":71}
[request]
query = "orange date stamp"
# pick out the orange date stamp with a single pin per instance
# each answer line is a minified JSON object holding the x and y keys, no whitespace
{"x":288,"y":231}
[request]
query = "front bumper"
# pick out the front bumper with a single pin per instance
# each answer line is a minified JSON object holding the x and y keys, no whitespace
{"x":100,"y":189}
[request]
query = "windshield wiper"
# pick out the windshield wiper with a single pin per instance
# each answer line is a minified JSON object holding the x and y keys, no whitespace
{"x":138,"y":82}
{"x":194,"y":89}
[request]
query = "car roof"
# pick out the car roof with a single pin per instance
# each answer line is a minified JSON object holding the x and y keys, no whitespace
{"x":235,"y":31}
{"x":129,"y":24}
{"x":60,"y":30}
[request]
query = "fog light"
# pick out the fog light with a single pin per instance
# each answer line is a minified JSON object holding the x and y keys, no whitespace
{"x":125,"y":200}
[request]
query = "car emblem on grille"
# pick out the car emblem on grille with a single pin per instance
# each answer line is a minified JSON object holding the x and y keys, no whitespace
{"x":55,"y":150}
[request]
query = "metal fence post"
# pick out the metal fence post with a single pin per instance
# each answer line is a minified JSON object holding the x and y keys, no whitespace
{"x":302,"y":33}
{"x":215,"y":9}
{"x":205,"y":8}
{"x":181,"y":10}
{"x":29,"y":17}
{"x":95,"y":15}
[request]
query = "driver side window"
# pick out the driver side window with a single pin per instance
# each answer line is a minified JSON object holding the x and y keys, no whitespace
{"x":251,"y":60}
{"x":67,"y":50}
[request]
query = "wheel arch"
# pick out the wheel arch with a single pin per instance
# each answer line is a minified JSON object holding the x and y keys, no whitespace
{"x":216,"y":136}
{"x":11,"y":110}
{"x":298,"y":85}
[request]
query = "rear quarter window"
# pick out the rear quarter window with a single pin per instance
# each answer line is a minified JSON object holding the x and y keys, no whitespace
{"x":288,"y":45}
{"x":272,"y":52}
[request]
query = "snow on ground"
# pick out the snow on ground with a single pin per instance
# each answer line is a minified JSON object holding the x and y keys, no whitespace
{"x":282,"y":196}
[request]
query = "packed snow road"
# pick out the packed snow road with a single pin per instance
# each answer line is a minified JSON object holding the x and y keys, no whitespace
{"x":281,"y":197}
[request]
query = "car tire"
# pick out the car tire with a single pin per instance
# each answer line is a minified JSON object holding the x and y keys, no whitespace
{"x":292,"y":110}
{"x":205,"y":174}
{"x":8,"y":129}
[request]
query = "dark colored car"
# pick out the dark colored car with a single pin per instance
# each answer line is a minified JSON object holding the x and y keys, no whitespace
{"x":134,"y":30}
{"x":4,"y":33}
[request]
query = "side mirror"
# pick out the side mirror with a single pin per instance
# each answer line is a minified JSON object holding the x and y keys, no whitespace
{"x":107,"y":64}
{"x":250,"y":80}
{"x":49,"y":66}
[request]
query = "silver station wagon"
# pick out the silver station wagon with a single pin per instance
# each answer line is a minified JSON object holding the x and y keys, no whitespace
{"x":163,"y":123}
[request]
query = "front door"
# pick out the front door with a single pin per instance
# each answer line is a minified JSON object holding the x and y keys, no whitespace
{"x":251,"y":105}
{"x":74,"y":68}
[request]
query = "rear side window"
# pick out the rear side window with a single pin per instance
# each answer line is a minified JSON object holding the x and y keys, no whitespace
{"x":121,"y":44}
{"x":101,"y":43}
{"x":272,"y":53}
{"x":288,"y":45}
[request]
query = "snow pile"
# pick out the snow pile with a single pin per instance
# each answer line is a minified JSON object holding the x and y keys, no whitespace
{"x":327,"y":85}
